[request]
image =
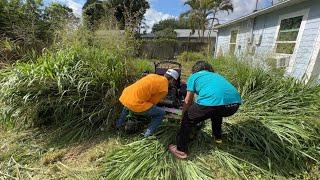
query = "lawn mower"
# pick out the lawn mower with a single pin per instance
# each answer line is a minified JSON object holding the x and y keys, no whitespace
{"x":172,"y":103}
{"x":176,"y":92}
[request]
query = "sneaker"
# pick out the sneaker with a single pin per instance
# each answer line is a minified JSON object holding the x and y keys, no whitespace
{"x":218,"y":141}
{"x":147,"y":133}
{"x":179,"y":154}
{"x":119,"y":128}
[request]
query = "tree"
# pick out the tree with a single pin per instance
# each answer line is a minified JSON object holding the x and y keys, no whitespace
{"x":93,"y":12}
{"x":26,"y":25}
{"x":203,"y":13}
{"x":128,"y":13}
{"x":167,"y":33}
{"x":56,"y":16}
{"x":164,"y":24}
{"x":181,"y":23}
{"x":3,"y":17}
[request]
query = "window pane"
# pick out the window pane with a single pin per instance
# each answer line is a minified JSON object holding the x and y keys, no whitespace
{"x":232,"y":49}
{"x":288,"y":36}
{"x":233,"y":38}
{"x":291,"y":23}
{"x":285,"y":48}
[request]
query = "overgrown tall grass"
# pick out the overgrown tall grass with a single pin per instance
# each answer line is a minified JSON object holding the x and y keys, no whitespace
{"x":279,"y":117}
{"x":75,"y":89}
{"x":276,"y":133}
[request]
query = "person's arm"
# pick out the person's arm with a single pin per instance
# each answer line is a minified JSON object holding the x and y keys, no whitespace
{"x":188,"y":100}
{"x":155,"y":99}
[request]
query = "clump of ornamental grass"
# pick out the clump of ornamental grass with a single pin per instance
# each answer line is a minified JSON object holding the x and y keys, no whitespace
{"x":275,"y":133}
{"x":74,"y":89}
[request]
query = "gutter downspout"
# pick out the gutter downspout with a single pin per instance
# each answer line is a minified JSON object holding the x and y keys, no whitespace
{"x":256,"y":9}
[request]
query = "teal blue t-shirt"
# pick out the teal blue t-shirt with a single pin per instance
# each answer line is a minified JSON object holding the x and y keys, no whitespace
{"x":212,"y":89}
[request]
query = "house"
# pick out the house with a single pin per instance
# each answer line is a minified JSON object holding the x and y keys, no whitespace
{"x":147,"y":36}
{"x":288,"y":33}
{"x":197,"y":36}
{"x":187,"y":35}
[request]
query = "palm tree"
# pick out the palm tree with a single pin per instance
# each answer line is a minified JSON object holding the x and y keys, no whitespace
{"x":202,"y":13}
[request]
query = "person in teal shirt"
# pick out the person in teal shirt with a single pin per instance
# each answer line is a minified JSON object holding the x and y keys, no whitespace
{"x":216,"y":98}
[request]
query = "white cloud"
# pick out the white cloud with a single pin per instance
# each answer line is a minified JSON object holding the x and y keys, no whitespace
{"x":153,"y":16}
{"x":76,"y":7}
{"x":241,"y":8}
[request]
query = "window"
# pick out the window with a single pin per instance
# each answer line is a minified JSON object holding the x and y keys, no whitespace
{"x":287,"y":36}
{"x":233,"y":41}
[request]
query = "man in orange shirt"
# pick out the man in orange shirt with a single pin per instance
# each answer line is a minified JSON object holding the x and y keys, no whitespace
{"x":142,"y":97}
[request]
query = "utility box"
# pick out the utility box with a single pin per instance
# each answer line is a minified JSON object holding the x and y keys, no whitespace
{"x":258,"y":39}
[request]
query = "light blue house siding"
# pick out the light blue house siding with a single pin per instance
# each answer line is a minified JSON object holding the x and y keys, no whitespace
{"x":257,"y":36}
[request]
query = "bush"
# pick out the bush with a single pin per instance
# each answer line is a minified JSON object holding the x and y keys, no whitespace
{"x":167,"y":33}
{"x":191,"y":56}
{"x":75,"y":89}
{"x":22,"y":38}
{"x":142,"y":65}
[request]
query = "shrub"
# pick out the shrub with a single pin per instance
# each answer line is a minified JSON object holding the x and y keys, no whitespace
{"x":167,"y":33}
{"x":191,"y":56}
{"x":142,"y":65}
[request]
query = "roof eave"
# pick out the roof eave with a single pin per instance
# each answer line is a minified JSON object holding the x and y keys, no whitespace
{"x":261,"y":12}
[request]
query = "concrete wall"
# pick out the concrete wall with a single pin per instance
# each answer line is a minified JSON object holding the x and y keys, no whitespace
{"x":304,"y":61}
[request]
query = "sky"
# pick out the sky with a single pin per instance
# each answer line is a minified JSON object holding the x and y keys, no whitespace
{"x":164,"y":9}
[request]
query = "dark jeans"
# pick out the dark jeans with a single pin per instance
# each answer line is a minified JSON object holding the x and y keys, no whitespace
{"x":198,"y":113}
{"x":155,"y":112}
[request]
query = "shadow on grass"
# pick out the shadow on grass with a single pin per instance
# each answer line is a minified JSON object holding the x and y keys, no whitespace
{"x":254,"y":147}
{"x":249,"y":148}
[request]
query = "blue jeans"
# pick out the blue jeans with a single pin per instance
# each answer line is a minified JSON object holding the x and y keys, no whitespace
{"x":155,"y":112}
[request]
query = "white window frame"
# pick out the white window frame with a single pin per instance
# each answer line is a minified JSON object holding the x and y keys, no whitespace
{"x":305,"y":14}
{"x":231,"y":30}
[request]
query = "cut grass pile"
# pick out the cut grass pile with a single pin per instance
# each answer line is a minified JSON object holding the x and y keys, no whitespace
{"x":31,"y":155}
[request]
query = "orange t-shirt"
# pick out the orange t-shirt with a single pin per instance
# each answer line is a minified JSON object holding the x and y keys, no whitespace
{"x":145,"y":93}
